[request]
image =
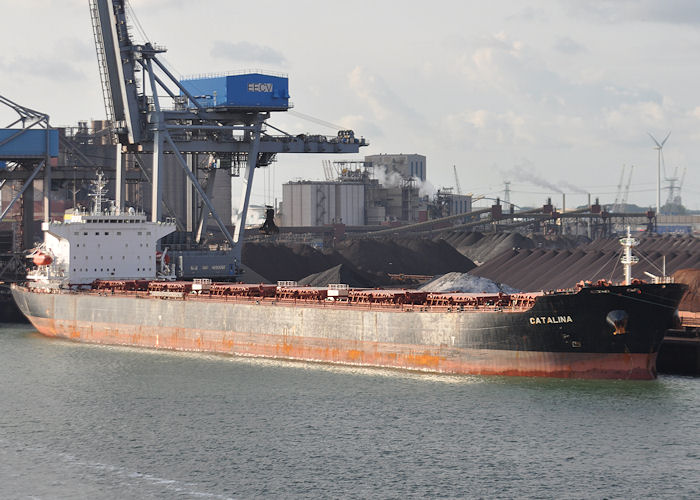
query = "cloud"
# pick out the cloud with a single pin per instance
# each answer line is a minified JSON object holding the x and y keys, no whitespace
{"x":247,"y":52}
{"x":568,"y":46}
{"x":382,"y":101}
{"x":48,"y":68}
{"x":625,"y":11}
{"x":482,"y":129}
{"x":514,"y":74}
{"x":528,"y":14}
{"x":629,"y":121}
{"x":78,"y":49}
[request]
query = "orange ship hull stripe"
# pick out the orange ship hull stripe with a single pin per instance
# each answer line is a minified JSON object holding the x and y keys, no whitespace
{"x":438,"y":359}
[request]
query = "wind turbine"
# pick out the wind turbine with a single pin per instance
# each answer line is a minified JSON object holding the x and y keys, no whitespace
{"x":659,"y":147}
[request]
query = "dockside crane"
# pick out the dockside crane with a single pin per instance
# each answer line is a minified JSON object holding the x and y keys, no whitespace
{"x":232,"y":129}
{"x":27,"y":144}
{"x":457,"y":186}
{"x":626,"y":192}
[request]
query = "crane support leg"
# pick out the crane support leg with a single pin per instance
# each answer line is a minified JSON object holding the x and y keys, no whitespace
{"x":26,"y":185}
{"x":181,"y":161}
{"x":247,"y":178}
{"x":157,"y":193}
{"x":204,"y":211}
{"x":119,"y":184}
{"x":47,"y":180}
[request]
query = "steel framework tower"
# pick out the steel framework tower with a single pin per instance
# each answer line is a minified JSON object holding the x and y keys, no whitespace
{"x":132,"y":76}
{"x":27,"y":145}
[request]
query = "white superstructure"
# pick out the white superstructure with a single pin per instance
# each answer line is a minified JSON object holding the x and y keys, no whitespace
{"x":100,"y":245}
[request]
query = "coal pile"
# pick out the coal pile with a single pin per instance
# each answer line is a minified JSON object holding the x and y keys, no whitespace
{"x":404,"y":256}
{"x":291,"y":262}
{"x":482,"y":247}
{"x":342,"y":273}
{"x":369,"y":261}
{"x":547,"y":269}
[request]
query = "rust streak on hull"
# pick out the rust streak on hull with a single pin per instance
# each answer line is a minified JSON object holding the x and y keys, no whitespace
{"x":449,"y":360}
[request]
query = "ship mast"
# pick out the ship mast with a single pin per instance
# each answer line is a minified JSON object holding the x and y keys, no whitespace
{"x":99,"y":192}
{"x":627,"y":258}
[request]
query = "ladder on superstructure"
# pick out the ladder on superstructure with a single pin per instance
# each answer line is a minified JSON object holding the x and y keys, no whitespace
{"x":102,"y":64}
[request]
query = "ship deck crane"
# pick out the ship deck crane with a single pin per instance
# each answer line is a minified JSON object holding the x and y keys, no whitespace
{"x":141,"y":123}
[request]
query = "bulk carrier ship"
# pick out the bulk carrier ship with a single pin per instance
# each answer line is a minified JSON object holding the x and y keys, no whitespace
{"x":99,"y":279}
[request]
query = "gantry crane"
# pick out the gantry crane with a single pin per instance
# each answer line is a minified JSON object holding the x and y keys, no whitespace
{"x":132,"y":75}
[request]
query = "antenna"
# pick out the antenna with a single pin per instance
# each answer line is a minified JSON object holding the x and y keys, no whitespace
{"x":659,"y":147}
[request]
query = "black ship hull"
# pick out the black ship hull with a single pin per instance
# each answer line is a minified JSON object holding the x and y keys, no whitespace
{"x":596,"y":332}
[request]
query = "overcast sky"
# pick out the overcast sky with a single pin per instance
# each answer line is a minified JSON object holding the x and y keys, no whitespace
{"x":554,"y":96}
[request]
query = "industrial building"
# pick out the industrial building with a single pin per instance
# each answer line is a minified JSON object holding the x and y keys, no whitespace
{"x":381,"y":189}
{"x":356,"y":193}
{"x":309,"y":203}
{"x":406,"y":165}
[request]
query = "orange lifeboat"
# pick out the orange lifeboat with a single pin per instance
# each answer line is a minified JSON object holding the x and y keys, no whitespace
{"x":42,"y":259}
{"x":159,"y":256}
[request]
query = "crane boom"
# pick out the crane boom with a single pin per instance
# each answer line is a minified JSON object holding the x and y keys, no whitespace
{"x":623,"y":202}
{"x":457,"y":186}
{"x":117,"y":60}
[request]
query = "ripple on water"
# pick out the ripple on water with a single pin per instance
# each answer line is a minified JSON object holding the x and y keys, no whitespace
{"x":100,"y":422}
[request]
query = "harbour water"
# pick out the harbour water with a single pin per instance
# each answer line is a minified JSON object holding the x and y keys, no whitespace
{"x":82,"y":421}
